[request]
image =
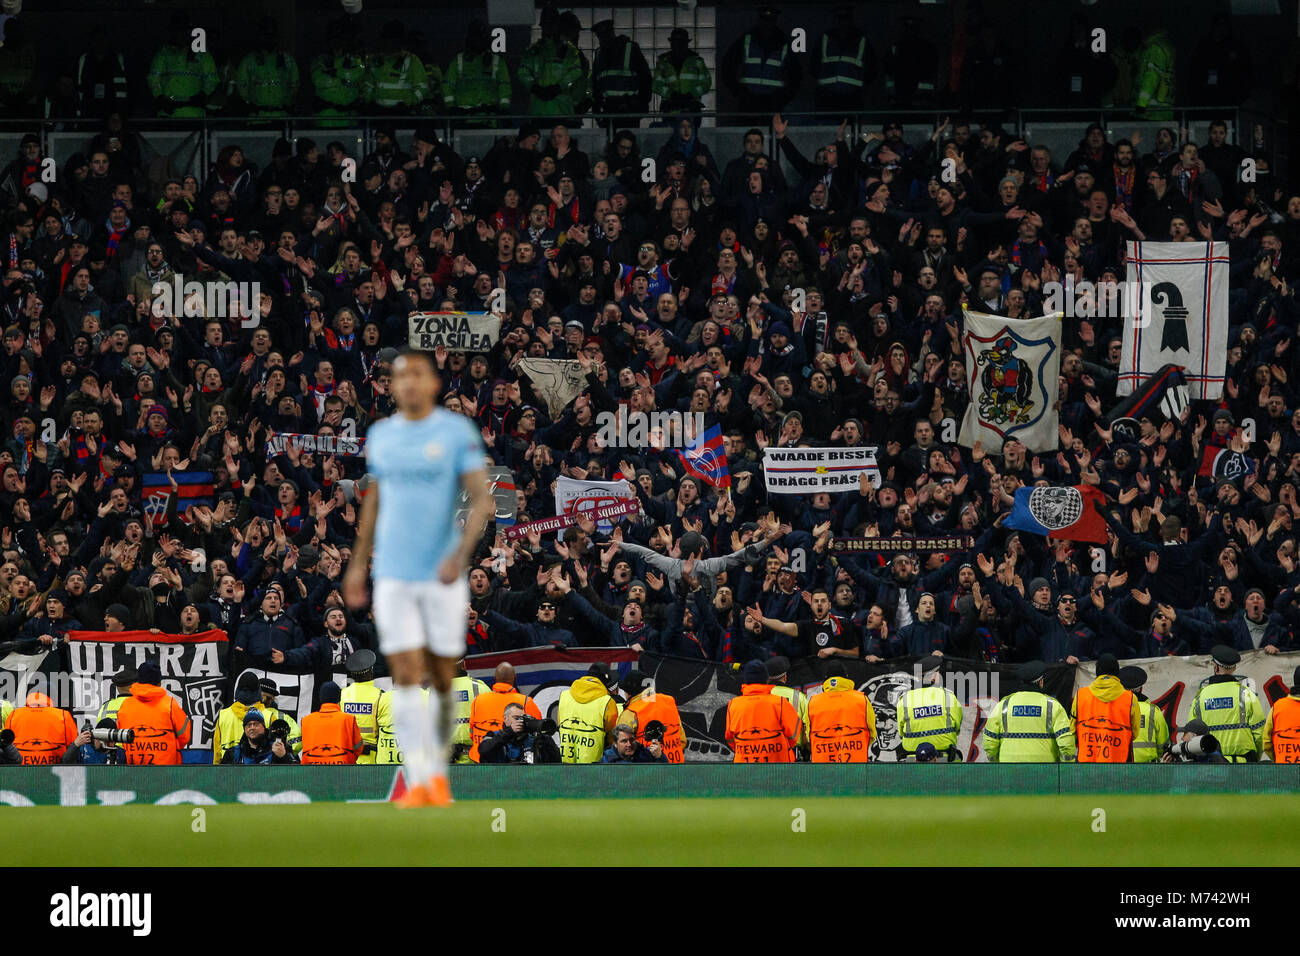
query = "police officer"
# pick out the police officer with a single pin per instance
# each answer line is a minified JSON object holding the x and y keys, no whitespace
{"x":267,"y":79}
{"x":553,"y":74}
{"x":463,"y":691}
{"x":1230,"y":709}
{"x":620,"y":77}
{"x":367,"y":703}
{"x":230,"y":720}
{"x":759,"y":69}
{"x":1029,"y":726}
{"x":1153,"y":732}
{"x":478,"y":80}
{"x":930,"y":713}
{"x":122,"y":682}
{"x":398,"y":79}
{"x":270,"y":708}
{"x":681,"y":78}
{"x":1282,"y":729}
{"x":181,"y":80}
{"x":842,"y":64}
{"x":777,"y":674}
{"x":340,"y":77}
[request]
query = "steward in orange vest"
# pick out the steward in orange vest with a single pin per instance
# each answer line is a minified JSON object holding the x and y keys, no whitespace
{"x":330,"y":736}
{"x":1282,"y":729}
{"x":645,"y":704}
{"x":1105,"y":716}
{"x":42,"y":732}
{"x":486,"y":710}
{"x":842,"y":722}
{"x":761,"y":727}
{"x":161,"y":725}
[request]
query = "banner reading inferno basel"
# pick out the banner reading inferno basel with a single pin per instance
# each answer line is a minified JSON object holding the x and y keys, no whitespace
{"x":193,"y":669}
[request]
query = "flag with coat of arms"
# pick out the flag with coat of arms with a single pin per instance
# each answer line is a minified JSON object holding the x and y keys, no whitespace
{"x":1012,"y":370}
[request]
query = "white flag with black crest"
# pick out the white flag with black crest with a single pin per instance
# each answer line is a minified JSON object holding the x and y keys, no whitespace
{"x":1178,"y":293}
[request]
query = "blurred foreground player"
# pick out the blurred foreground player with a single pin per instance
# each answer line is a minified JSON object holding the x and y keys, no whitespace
{"x":420,"y":459}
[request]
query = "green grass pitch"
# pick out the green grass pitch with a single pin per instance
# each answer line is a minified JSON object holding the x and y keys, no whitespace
{"x":1184,"y":830}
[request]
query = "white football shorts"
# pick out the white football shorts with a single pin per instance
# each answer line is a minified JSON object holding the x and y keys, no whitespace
{"x":413,"y":614}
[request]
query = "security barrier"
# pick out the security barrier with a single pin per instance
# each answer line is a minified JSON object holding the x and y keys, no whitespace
{"x":203,"y":785}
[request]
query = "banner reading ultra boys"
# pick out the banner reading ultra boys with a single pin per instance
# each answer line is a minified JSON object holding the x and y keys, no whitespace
{"x":193,"y":669}
{"x":805,"y":471}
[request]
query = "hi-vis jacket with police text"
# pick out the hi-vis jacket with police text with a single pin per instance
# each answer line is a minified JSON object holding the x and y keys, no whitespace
{"x":1029,"y":727}
{"x":929,"y":715}
{"x":1232,"y":712}
{"x":370,"y":706}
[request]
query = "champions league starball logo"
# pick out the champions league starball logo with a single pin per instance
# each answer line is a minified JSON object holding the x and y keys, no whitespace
{"x":1056,"y":508}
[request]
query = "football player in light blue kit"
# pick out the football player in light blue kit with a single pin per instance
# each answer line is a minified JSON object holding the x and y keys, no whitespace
{"x":420,"y":459}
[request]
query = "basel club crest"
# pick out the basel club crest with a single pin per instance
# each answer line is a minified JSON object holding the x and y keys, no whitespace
{"x":1054,"y":507}
{"x":1013,"y":395}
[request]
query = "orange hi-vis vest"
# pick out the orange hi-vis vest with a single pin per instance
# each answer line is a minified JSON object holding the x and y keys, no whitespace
{"x":330,"y":736}
{"x":42,"y":732}
{"x":652,"y":705}
{"x":1105,"y":727}
{"x":761,"y":727}
{"x":160,"y":724}
{"x":1286,"y":731}
{"x":838,"y":727}
{"x":486,"y":713}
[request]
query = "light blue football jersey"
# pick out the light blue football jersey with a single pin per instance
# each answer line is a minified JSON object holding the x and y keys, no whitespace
{"x":418,"y":466}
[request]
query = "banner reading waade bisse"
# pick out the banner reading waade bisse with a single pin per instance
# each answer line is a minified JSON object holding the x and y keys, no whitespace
{"x":802,"y":471}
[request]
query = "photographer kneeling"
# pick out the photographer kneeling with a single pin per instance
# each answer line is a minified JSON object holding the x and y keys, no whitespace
{"x":1195,"y":744}
{"x":260,"y":745}
{"x":100,"y":745}
{"x":627,"y":750}
{"x":521,"y":739}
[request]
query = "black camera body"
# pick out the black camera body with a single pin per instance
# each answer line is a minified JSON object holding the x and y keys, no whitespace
{"x":279,"y":730}
{"x":539,"y":725}
{"x":654,"y":731}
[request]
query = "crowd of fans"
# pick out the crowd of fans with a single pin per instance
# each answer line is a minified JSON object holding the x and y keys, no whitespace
{"x":794,"y":292}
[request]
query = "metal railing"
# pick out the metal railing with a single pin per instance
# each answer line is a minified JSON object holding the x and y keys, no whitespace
{"x":193,"y":144}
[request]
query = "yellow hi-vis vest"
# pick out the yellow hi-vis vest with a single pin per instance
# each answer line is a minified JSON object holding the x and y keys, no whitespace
{"x":390,"y":750}
{"x":230,"y":727}
{"x":799,"y":701}
{"x":363,"y":700}
{"x":109,"y":709}
{"x":1233,"y":714}
{"x":1028,"y":727}
{"x":1153,"y":734}
{"x":582,"y":728}
{"x":930,"y":714}
{"x":463,"y":691}
{"x":7,"y":708}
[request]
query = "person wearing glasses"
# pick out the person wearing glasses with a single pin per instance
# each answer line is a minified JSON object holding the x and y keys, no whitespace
{"x":542,"y":631}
